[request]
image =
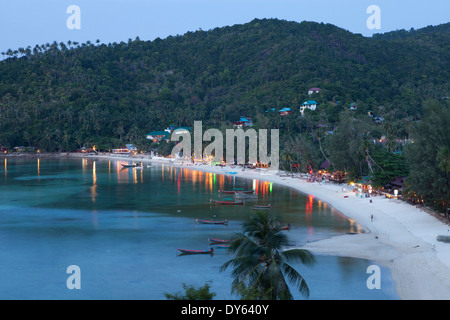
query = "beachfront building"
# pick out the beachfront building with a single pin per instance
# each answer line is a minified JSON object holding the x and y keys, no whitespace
{"x":310,"y":104}
{"x":121,"y":151}
{"x":313,"y":90}
{"x":129,"y":149}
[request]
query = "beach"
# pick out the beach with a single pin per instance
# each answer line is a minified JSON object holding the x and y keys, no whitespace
{"x":400,"y":236}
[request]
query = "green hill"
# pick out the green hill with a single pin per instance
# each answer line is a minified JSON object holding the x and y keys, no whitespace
{"x":61,"y":96}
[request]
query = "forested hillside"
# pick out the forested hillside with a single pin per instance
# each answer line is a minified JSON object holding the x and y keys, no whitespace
{"x":94,"y":92}
{"x":61,"y":96}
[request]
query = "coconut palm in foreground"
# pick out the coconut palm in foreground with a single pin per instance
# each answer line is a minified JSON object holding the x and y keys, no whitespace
{"x":260,"y":266}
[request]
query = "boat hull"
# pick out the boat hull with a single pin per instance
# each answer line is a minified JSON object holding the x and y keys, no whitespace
{"x":211,"y":222}
{"x":228,"y":202}
{"x":187,"y":251}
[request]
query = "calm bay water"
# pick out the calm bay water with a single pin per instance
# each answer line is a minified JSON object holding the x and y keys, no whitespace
{"x":122,"y":227}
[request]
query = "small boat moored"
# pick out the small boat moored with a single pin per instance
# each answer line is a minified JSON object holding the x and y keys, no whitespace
{"x":211,"y":221}
{"x":230,"y":202}
{"x":287,"y":227}
{"x":129,"y":165}
{"x":187,"y":251}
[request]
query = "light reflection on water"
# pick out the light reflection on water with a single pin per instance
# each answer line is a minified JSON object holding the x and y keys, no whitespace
{"x":122,"y":226}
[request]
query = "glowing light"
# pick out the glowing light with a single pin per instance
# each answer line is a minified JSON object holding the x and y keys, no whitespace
{"x":94,"y":183}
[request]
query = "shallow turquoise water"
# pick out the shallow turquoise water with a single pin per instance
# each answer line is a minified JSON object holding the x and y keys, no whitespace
{"x":122,"y":228}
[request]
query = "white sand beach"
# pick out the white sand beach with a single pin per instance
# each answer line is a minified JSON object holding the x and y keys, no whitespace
{"x":401,"y":236}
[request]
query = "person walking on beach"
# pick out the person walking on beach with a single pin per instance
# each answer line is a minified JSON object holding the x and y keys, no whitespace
{"x":371,"y":218}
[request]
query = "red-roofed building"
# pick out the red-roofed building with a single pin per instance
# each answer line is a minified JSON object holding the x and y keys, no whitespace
{"x":313,"y":90}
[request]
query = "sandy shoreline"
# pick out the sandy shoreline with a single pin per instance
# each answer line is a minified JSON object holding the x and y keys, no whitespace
{"x":400,"y":237}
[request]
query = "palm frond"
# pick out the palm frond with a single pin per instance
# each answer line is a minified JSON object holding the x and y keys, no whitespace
{"x":305,"y":256}
{"x":296,"y":278}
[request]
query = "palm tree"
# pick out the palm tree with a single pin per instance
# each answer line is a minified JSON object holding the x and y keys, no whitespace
{"x":260,"y":266}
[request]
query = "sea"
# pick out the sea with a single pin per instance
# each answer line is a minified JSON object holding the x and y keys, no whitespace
{"x":94,"y":229}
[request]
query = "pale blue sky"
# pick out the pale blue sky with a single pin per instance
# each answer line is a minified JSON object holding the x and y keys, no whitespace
{"x":31,"y":22}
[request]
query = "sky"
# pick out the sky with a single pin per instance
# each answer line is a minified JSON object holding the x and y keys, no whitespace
{"x":29,"y":22}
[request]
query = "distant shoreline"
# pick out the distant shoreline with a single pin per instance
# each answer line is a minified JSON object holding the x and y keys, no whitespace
{"x":400,"y":237}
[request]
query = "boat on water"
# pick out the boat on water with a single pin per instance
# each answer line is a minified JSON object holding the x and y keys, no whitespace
{"x":227,"y":202}
{"x":236,"y":190}
{"x":211,"y":221}
{"x":259,"y":206}
{"x":188,"y":251}
{"x":212,"y":240}
{"x":129,"y":165}
{"x":287,"y":227}
{"x":223,"y":246}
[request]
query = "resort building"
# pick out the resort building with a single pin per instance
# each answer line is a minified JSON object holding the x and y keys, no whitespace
{"x":129,"y":149}
{"x":310,"y":104}
{"x":181,"y":130}
{"x":157,"y":136}
{"x":285,"y":111}
{"x":243,"y":122}
{"x":313,"y":90}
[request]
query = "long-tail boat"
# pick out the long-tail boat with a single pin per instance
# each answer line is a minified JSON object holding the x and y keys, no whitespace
{"x":211,"y":221}
{"x":187,"y":251}
{"x":227,"y":202}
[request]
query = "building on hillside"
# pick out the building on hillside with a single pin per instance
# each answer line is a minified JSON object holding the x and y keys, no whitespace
{"x":170,"y":128}
{"x":378,"y":120}
{"x":310,"y":104}
{"x":243,"y":122}
{"x":285,"y":111}
{"x":157,"y":136}
{"x":313,"y":90}
{"x":181,"y":130}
